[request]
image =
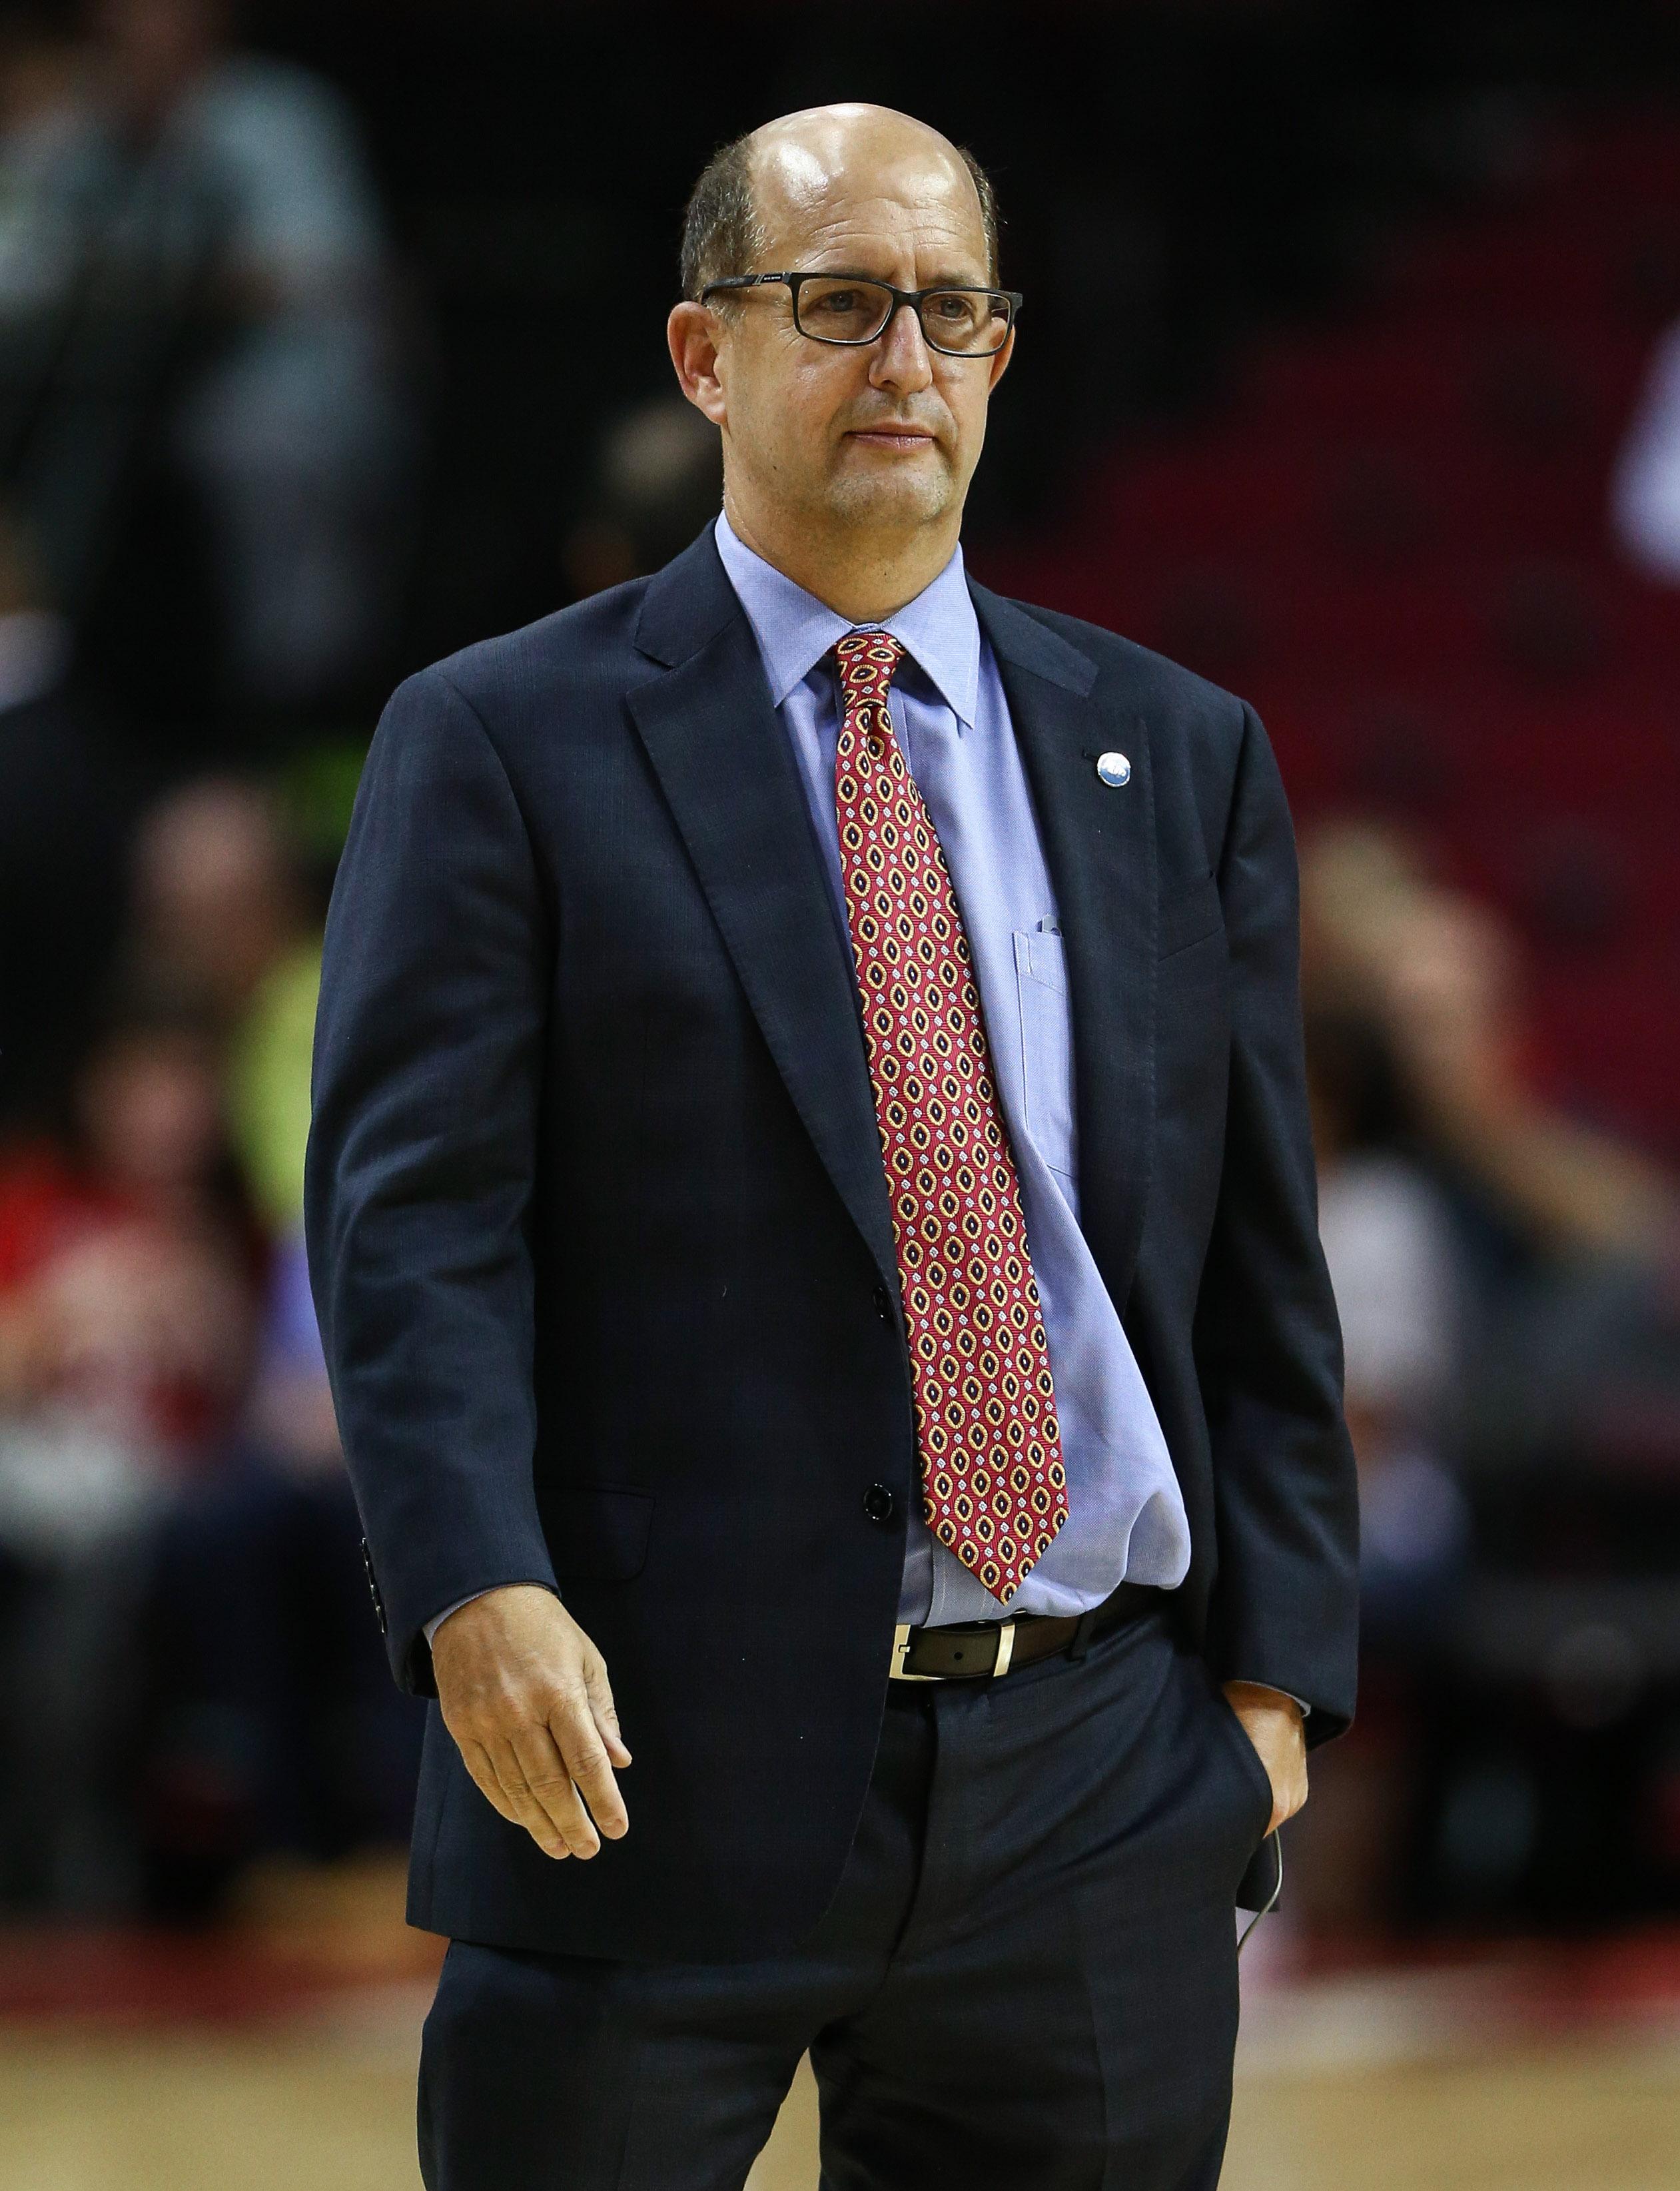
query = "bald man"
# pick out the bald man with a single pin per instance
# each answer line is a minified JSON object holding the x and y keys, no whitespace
{"x":812,"y":1218}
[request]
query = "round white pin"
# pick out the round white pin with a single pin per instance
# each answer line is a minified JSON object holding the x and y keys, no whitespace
{"x":1113,"y":768}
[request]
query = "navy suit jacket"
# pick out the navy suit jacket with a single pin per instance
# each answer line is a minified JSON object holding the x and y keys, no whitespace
{"x":602,"y":1248}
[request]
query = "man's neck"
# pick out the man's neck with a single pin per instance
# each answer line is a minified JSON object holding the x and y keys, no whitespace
{"x":864,"y":579}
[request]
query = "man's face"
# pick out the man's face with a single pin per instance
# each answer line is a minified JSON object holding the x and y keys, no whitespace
{"x":885,"y":435}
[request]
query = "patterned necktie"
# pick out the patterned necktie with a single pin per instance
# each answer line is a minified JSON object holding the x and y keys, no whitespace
{"x":994,"y":1491}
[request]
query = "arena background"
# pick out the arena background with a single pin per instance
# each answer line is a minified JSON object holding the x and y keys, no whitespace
{"x":331,"y":338}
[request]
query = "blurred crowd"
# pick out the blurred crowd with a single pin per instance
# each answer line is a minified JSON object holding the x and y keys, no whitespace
{"x":190,"y":1672}
{"x":196,"y":316}
{"x":197,"y":310}
{"x":1508,"y":1279}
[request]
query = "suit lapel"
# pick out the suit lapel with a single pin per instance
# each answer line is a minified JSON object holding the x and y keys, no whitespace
{"x":721,"y":757}
{"x":1099,"y":844}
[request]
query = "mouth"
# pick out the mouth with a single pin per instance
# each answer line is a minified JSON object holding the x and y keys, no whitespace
{"x":902,"y":440}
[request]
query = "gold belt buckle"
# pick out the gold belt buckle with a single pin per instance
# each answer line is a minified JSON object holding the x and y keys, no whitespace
{"x":901,"y":1645}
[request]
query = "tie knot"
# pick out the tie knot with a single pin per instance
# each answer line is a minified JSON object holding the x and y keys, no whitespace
{"x":868,"y":663}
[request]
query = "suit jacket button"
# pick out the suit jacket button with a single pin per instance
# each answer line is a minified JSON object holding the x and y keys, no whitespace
{"x":883,"y":1304}
{"x":880,"y":1504}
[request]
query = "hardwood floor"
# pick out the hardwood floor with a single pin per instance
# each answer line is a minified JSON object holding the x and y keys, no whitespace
{"x":277,"y":2054}
{"x":328,"y":2105}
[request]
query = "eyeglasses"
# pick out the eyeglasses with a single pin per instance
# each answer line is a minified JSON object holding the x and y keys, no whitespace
{"x":845,"y":308}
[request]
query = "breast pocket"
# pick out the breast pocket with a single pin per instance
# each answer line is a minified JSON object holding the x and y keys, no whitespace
{"x":1046,"y":1047}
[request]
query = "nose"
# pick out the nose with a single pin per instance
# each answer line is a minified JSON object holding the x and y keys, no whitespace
{"x":901,"y":358}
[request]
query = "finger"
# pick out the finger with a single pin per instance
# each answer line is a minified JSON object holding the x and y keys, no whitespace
{"x":549,"y":1781}
{"x":496,"y":1792}
{"x":605,"y":1713}
{"x":528,"y":1812}
{"x":574,"y":1728}
{"x":476,"y":1759}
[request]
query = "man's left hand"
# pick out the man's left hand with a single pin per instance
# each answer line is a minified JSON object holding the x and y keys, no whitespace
{"x":1273,"y":1723}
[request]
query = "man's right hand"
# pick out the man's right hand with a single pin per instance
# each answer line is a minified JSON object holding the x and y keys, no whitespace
{"x":525,"y":1694}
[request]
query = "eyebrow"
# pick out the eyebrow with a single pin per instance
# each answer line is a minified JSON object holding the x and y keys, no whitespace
{"x":857,"y":274}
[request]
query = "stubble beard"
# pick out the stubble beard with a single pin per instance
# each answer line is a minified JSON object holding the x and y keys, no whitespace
{"x":917,"y":497}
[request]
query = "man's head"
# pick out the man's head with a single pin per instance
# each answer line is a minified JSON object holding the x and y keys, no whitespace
{"x":876,"y":442}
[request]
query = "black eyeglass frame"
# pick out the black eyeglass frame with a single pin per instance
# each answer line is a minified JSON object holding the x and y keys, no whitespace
{"x":1013,"y":298}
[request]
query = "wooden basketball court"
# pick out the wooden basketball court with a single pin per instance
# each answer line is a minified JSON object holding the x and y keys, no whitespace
{"x":280,"y":2057}
{"x":331,"y":2109}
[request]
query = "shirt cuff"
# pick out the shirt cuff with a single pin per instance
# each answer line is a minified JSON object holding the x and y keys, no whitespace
{"x":438,"y":1619}
{"x":431,"y":1626}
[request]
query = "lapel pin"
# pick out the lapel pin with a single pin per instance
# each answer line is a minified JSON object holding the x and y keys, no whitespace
{"x":1113,"y":768}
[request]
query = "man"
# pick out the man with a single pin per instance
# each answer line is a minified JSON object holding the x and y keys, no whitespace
{"x":811,"y":1210}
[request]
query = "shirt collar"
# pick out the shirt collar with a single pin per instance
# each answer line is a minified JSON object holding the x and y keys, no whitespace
{"x":795,"y":630}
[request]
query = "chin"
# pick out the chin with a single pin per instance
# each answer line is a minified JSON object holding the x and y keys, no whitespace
{"x":912,"y":497}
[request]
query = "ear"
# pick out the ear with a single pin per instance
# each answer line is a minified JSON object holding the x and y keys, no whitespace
{"x":1000,"y":363}
{"x":692,"y":332}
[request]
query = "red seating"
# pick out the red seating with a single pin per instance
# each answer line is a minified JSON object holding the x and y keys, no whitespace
{"x":1394,"y":542}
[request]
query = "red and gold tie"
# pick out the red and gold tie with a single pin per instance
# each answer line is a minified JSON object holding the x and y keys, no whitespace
{"x":994,"y":1487}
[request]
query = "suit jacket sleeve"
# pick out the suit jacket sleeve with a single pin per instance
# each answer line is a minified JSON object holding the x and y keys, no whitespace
{"x":1268,"y":1344}
{"x":428,"y":1054}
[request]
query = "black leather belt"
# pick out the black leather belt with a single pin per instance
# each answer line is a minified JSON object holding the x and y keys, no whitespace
{"x":984,"y":1650}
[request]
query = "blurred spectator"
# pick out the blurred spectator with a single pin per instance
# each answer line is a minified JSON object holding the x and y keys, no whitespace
{"x":1505,"y":1276}
{"x":221,"y":913}
{"x":1441,"y":976}
{"x":126,"y":1265}
{"x":275,"y":1725}
{"x":189,"y":232}
{"x":217,"y":901}
{"x":1393,"y":1258}
{"x":151,"y":1491}
{"x":126,"y":1249}
{"x":268,"y":1083}
{"x":69,"y":800}
{"x":658,"y":479}
{"x":1388,"y":1240}
{"x":1645,"y":486}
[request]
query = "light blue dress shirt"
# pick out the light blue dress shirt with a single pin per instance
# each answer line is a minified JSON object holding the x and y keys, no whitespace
{"x":1126,"y":1516}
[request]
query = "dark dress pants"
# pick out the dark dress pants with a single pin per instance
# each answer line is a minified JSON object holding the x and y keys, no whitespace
{"x":1026,"y":1982}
